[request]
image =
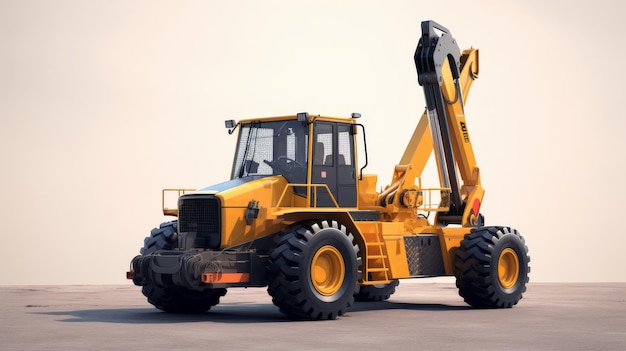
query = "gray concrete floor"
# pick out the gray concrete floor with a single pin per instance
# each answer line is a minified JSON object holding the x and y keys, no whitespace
{"x":421,"y":315}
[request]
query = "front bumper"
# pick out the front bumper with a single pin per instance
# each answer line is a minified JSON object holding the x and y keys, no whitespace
{"x":199,"y":269}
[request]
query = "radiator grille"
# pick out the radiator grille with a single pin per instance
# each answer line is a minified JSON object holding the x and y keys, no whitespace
{"x":200,"y":215}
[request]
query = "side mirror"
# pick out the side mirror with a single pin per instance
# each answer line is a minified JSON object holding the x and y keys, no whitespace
{"x":231,"y":125}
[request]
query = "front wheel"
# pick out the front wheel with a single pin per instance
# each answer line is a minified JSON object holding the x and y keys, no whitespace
{"x":313,"y":271}
{"x":180,"y":300}
{"x":162,"y":238}
{"x":174,"y":298}
{"x":492,"y":267}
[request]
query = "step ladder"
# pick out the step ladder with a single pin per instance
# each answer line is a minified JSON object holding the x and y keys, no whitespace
{"x":377,"y":269}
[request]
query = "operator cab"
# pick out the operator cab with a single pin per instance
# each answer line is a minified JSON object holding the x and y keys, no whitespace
{"x":283,"y":146}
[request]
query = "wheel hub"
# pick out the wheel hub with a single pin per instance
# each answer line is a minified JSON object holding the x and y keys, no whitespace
{"x":508,"y":268}
{"x":327,"y":270}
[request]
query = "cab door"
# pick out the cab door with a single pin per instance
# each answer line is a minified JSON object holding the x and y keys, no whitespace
{"x":333,"y":164}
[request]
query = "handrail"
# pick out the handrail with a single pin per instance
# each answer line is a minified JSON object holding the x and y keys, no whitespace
{"x":179,"y":191}
{"x":427,"y":204}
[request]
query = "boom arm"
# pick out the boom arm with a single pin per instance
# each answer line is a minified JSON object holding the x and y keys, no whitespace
{"x":419,"y":147}
{"x":440,"y":83}
{"x":438,"y":64}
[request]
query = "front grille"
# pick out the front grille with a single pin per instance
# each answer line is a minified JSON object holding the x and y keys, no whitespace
{"x":200,"y":214}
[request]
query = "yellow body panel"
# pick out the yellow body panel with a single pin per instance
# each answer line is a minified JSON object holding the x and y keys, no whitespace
{"x":450,"y":239}
{"x":267,"y":192}
{"x":367,"y":194}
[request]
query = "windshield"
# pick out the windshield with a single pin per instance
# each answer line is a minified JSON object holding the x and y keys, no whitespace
{"x":270,"y":148}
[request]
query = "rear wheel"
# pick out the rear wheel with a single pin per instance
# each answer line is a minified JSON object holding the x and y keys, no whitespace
{"x":376,"y":292}
{"x":174,"y":298}
{"x":312,"y":272}
{"x":492,"y":267}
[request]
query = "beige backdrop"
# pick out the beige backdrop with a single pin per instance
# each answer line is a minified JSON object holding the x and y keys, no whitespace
{"x":103,"y":103}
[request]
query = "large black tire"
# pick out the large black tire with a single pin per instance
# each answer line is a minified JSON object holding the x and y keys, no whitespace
{"x":313,"y":271}
{"x":376,"y":292}
{"x":180,"y":300}
{"x":162,"y":238}
{"x":492,"y":267}
{"x":174,"y":298}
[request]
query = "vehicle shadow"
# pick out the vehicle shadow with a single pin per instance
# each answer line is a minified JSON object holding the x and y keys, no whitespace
{"x":224,"y":313}
{"x":389,"y":305}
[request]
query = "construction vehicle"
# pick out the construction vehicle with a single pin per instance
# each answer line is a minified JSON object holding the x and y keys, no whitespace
{"x":300,"y":216}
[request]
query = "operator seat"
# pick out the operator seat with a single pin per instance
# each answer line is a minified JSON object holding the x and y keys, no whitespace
{"x":341,"y":161}
{"x":318,"y":157}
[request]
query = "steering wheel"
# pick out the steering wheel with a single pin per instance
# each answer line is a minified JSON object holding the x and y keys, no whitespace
{"x":283,"y":163}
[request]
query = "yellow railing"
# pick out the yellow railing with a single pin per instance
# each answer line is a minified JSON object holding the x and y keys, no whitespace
{"x":439,"y":202}
{"x":179,"y":191}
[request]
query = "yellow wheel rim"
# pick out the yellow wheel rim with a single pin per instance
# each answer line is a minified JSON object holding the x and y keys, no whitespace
{"x":327,"y":270}
{"x":508,"y":268}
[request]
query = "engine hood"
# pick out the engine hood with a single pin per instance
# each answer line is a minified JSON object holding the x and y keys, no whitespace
{"x":229,"y":184}
{"x":240,"y":191}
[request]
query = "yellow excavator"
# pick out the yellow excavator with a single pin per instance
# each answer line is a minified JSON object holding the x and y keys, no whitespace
{"x":300,"y":217}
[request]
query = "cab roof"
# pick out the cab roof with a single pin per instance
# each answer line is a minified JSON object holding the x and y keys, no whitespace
{"x":305,"y":117}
